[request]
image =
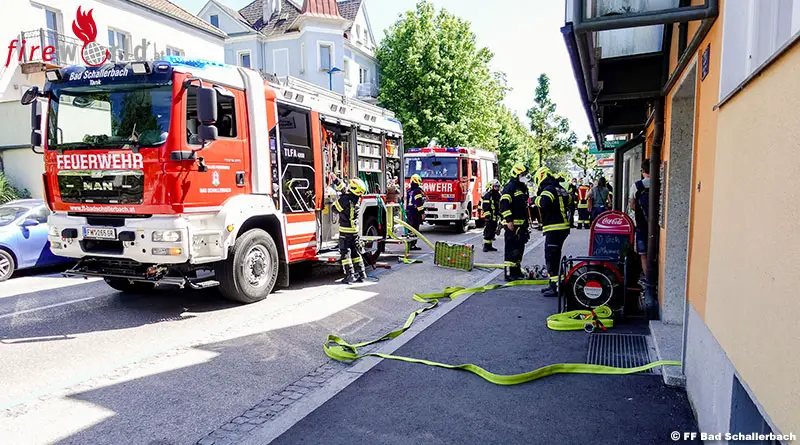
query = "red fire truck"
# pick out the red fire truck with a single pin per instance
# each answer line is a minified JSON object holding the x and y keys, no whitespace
{"x":454,"y":180}
{"x":198,"y":174}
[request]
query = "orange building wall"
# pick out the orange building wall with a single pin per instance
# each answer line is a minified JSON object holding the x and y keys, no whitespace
{"x":707,"y":96}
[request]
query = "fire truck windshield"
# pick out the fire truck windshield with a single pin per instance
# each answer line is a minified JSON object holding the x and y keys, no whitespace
{"x":432,"y":167}
{"x":120,"y":116}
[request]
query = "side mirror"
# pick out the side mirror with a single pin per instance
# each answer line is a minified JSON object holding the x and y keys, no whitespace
{"x":207,"y":133}
{"x":207,"y":105}
{"x":36,"y":127}
{"x":472,"y":179}
{"x":29,"y":96}
{"x":29,"y":223}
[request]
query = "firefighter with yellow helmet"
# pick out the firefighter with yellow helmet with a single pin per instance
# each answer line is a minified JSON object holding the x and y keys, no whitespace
{"x":348,"y":208}
{"x":490,"y":210}
{"x":415,"y":206}
{"x":514,"y":211}
{"x":553,"y":201}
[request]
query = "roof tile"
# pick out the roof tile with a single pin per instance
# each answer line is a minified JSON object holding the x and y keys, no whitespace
{"x":172,"y":10}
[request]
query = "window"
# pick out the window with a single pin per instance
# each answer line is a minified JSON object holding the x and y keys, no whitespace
{"x":463,"y":168}
{"x":347,"y":71}
{"x":363,"y":75}
{"x":752,"y":33}
{"x":226,"y":115}
{"x":119,"y":43}
{"x":53,"y":28}
{"x":244,"y":59}
{"x":280,"y":62}
{"x":175,"y":52}
{"x":39,"y":214}
{"x":297,"y":158}
{"x":474,"y":168}
{"x":214,"y":20}
{"x":326,"y":56}
{"x":358,"y":33}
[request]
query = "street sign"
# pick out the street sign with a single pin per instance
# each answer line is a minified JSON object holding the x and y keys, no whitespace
{"x":608,"y":145}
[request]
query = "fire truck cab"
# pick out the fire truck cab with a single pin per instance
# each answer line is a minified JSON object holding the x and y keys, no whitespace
{"x":198,"y":174}
{"x":453,"y":180}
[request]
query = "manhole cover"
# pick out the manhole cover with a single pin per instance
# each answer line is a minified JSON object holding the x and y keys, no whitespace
{"x":619,"y":350}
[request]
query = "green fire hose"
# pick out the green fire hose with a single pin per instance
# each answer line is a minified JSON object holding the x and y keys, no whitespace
{"x":338,"y":349}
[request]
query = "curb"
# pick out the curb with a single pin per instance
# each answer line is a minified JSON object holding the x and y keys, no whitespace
{"x":302,"y":408}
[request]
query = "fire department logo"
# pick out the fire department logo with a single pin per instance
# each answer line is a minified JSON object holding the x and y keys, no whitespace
{"x":84,"y":27}
{"x":215,"y":179}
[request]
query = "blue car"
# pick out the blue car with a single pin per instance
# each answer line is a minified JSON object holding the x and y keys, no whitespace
{"x":23,"y":237}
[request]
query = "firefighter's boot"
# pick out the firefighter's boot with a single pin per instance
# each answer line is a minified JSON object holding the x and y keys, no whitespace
{"x":488,"y":247}
{"x":514,"y":273}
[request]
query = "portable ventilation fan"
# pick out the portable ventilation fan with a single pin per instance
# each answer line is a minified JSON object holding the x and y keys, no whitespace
{"x":592,"y":284}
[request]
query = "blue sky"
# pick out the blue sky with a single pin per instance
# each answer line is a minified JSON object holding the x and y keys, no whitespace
{"x":523,"y":34}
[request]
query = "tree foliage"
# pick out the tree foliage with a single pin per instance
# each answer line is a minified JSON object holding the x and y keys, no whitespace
{"x":438,"y":82}
{"x":9,"y":193}
{"x":583,"y":159}
{"x":514,"y":142}
{"x":551,"y":132}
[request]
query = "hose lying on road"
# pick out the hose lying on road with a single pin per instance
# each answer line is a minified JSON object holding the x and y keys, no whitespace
{"x":338,"y":349}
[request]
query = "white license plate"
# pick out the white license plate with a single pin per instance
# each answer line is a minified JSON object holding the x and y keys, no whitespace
{"x":99,"y":233}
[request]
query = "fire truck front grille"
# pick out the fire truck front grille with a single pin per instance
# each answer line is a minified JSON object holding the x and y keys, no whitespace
{"x":101,"y":186}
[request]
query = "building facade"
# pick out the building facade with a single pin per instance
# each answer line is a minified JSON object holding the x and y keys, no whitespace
{"x":128,"y":29}
{"x":710,"y":89}
{"x":328,"y":43}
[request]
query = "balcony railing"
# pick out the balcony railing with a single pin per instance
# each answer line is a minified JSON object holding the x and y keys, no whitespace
{"x":67,"y":49}
{"x":367,"y":90}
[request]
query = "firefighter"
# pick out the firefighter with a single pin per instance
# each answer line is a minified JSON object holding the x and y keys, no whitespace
{"x":553,"y":202}
{"x":583,"y":204}
{"x":415,"y":206}
{"x":573,"y":197}
{"x":490,"y":206}
{"x":349,"y":239}
{"x":514,"y":210}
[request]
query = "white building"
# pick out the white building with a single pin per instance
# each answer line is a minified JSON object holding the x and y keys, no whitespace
{"x":130,"y":29}
{"x":324,"y":42}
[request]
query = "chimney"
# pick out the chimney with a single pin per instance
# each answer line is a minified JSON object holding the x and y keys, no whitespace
{"x":266,"y":10}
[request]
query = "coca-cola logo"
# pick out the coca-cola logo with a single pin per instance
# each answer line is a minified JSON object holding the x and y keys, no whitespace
{"x":612,"y":221}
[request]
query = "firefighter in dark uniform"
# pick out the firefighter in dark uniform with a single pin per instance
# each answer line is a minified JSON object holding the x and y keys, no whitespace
{"x":490,"y":208}
{"x":583,"y":205}
{"x":514,"y":210}
{"x":415,"y":206}
{"x":348,"y":208}
{"x":573,"y":197}
{"x":553,"y":202}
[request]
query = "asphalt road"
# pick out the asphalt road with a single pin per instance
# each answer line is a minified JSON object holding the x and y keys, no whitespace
{"x":81,"y":363}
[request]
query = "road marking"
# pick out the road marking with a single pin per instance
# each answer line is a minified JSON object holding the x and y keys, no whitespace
{"x":49,"y":306}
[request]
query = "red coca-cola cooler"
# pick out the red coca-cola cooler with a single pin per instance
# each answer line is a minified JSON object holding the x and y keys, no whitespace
{"x":602,"y":277}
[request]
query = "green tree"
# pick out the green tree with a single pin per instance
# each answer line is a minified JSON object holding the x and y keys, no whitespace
{"x":551,"y":133}
{"x":437,"y":80}
{"x":514,"y":142}
{"x":583,"y":159}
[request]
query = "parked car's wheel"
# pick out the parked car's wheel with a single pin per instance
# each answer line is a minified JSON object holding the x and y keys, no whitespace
{"x":128,"y":287}
{"x":251,"y":270}
{"x":7,"y":265}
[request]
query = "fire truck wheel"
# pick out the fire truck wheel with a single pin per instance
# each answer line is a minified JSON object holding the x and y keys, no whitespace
{"x":250,"y":272}
{"x":461,"y":226}
{"x":128,"y":287}
{"x":374,"y":249}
